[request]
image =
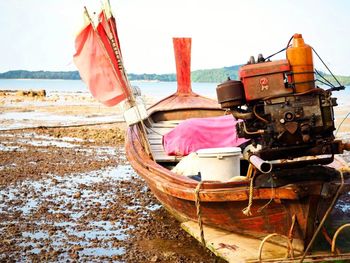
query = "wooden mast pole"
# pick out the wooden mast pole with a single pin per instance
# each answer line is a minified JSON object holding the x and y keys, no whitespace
{"x":182,"y":50}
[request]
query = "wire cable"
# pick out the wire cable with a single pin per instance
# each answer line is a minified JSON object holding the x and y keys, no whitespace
{"x":319,"y":74}
{"x":275,"y":53}
{"x":290,"y":40}
{"x":324,"y":83}
{"x":288,"y":45}
{"x":326,"y":67}
{"x":340,"y":124}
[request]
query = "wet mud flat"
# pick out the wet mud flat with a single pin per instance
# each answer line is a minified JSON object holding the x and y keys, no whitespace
{"x":69,"y":194}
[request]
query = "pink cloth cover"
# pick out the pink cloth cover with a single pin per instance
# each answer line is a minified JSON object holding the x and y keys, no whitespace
{"x":201,"y":133}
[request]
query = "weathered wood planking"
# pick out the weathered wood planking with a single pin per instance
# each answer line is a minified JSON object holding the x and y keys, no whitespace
{"x":155,"y":138}
{"x":162,"y":157}
{"x":159,"y":131}
{"x":234,"y":247}
{"x":165,"y":124}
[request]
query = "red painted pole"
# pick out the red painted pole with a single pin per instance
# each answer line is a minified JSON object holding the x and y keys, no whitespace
{"x":182,"y":49}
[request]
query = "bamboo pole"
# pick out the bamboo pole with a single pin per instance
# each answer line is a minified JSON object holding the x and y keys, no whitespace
{"x":113,"y":41}
{"x":127,"y":89}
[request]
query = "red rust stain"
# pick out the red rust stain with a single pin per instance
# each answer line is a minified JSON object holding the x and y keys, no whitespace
{"x":231,"y":247}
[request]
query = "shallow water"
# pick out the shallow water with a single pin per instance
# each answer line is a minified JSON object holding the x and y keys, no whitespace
{"x":64,"y":219}
{"x":153,"y":89}
{"x":16,"y":120}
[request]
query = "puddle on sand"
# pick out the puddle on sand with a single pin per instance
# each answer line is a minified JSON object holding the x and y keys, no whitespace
{"x":6,"y":148}
{"x":36,"y":140}
{"x":18,"y":120}
{"x":80,"y":216}
{"x":42,"y":141}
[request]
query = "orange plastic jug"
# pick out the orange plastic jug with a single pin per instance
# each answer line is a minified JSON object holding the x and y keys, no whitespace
{"x":300,"y":59}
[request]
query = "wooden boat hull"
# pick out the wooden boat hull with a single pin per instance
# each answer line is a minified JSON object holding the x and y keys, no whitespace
{"x":222,"y":203}
{"x":290,"y":208}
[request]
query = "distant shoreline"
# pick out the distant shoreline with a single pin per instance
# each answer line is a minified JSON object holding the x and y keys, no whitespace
{"x":217,"y":75}
{"x":208,"y":75}
{"x":38,"y":79}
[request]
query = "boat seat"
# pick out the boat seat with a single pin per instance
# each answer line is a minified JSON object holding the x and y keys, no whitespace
{"x":155,"y":135}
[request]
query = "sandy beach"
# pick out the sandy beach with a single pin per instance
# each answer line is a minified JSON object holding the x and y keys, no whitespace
{"x":69,"y":194}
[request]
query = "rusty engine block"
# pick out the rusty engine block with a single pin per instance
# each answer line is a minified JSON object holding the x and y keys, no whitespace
{"x":286,"y":123}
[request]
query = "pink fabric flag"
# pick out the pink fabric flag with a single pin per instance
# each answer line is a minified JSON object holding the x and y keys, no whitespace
{"x":108,"y":33}
{"x":201,"y":133}
{"x":97,"y":68}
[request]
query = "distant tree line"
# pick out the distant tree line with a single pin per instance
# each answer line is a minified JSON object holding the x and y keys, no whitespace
{"x":344,"y":80}
{"x":152,"y":77}
{"x":215,"y":75}
{"x":25,"y":74}
{"x":204,"y":75}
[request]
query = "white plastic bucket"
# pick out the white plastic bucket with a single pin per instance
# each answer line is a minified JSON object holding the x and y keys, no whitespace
{"x":219,"y":164}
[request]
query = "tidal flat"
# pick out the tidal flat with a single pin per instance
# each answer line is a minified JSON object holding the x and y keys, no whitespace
{"x":68,"y":193}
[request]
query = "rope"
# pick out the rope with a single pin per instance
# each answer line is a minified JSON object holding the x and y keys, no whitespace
{"x":246,"y":211}
{"x":328,"y":238}
{"x":249,"y":171}
{"x":291,"y":236}
{"x":265,"y":205}
{"x":336,"y":235}
{"x":199,"y":213}
{"x":289,"y":247}
{"x":290,"y":233}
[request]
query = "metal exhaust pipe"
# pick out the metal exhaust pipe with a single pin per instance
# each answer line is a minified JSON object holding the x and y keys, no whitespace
{"x":263,"y":166}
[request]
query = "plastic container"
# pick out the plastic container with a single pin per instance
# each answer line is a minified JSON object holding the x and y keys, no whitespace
{"x":300,"y":59}
{"x":219,"y":164}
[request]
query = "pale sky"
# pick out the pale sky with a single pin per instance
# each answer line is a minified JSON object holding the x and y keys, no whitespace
{"x":39,"y":35}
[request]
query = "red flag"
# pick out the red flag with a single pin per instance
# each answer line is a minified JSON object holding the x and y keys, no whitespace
{"x":107,"y":19}
{"x":98,"y":68}
{"x":110,"y":26}
{"x":109,"y":37}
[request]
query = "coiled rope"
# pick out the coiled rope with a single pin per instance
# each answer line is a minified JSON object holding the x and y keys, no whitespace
{"x":246,"y":211}
{"x":199,"y":212}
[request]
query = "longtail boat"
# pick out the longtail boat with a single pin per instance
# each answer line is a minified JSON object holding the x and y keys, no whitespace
{"x":290,"y":209}
{"x":244,"y":207}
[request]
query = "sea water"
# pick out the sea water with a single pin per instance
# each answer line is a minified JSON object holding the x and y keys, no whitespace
{"x":153,"y":89}
{"x":157,"y":90}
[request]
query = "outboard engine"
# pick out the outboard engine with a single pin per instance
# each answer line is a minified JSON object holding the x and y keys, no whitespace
{"x":281,"y":107}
